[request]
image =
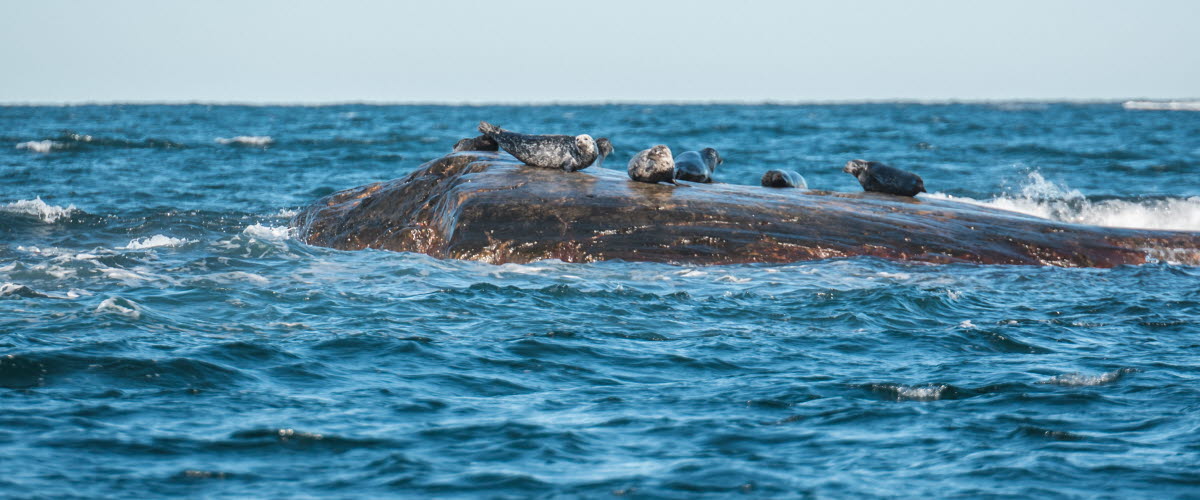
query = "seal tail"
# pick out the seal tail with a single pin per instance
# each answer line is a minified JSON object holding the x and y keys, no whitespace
{"x":488,"y":129}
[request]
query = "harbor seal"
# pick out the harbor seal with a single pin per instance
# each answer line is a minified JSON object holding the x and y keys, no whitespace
{"x":879,"y":178}
{"x":481,"y":143}
{"x":653,"y":165}
{"x":604,"y":148}
{"x":783,"y":179}
{"x":546,"y":151}
{"x":697,"y":166}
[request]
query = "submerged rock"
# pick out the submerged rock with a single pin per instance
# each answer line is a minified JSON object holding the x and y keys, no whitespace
{"x":489,"y":207}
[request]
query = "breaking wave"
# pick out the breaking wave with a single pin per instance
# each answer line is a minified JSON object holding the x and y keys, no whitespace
{"x":1042,"y":198}
{"x":247,"y":140}
{"x":39,"y":209}
{"x":157,"y":240}
{"x":1162,"y":105}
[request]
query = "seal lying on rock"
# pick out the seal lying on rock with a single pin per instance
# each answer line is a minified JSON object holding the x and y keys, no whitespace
{"x":697,"y":166}
{"x":783,"y":179}
{"x":653,"y":165}
{"x":546,"y":151}
{"x":481,"y":143}
{"x":879,"y":178}
{"x":605,"y":148}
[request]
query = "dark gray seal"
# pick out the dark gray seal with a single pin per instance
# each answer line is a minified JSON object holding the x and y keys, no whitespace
{"x":697,"y":166}
{"x":876,"y":177}
{"x":546,"y":151}
{"x":783,"y":179}
{"x":604,"y":146}
{"x":653,"y":165}
{"x":481,"y":143}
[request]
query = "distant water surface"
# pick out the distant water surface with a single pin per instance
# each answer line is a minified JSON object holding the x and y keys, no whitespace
{"x":162,"y":333}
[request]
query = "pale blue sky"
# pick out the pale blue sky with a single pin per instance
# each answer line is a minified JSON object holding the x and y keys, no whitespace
{"x":538,"y":51}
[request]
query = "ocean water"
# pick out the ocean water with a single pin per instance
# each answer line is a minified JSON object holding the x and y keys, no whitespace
{"x":162,"y":332}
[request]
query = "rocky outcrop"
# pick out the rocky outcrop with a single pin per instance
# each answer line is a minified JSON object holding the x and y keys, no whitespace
{"x":488,"y":207}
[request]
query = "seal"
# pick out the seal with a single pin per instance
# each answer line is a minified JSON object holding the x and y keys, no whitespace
{"x":605,"y":148}
{"x":876,"y":177}
{"x":546,"y":151}
{"x":783,"y":179}
{"x":697,"y":166}
{"x":653,"y":165}
{"x":481,"y":143}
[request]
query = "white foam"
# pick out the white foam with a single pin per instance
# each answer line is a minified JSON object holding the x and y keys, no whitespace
{"x":39,"y":209}
{"x":242,"y":276}
{"x":274,"y":233}
{"x":155,"y":241}
{"x":39,"y":146}
{"x":1162,"y":105}
{"x":1080,"y":380}
{"x":286,"y":213}
{"x":248,"y":140}
{"x":1042,"y":198}
{"x":922,"y":393}
{"x":120,"y":306}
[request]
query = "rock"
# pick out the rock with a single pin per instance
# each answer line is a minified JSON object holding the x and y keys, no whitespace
{"x":489,"y":207}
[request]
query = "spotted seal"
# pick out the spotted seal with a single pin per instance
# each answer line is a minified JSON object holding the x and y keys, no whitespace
{"x":546,"y":151}
{"x":879,"y":178}
{"x":783,"y":179}
{"x":697,"y":166}
{"x":481,"y":143}
{"x":653,"y":165}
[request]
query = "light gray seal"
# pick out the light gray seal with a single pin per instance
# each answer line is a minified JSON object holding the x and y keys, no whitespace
{"x":546,"y":151}
{"x":783,"y":179}
{"x":604,"y":146}
{"x":653,"y":165}
{"x":876,"y":177}
{"x":481,"y":143}
{"x":697,"y":166}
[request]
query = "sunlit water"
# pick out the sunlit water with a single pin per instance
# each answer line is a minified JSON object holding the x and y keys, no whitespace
{"x":162,"y":333}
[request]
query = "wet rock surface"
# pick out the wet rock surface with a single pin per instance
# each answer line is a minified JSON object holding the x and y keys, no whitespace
{"x":488,"y":207}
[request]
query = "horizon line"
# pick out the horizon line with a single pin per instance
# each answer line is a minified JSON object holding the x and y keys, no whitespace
{"x":597,"y":102}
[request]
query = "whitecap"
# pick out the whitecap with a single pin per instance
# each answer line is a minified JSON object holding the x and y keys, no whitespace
{"x":247,"y":140}
{"x":286,"y":213}
{"x":18,"y":290}
{"x":276,"y":233}
{"x":157,"y":240}
{"x":1042,"y":198}
{"x":967,"y":324}
{"x":120,"y":306}
{"x":1077,"y":379}
{"x":39,"y":146}
{"x":242,"y":276}
{"x":1162,"y":105}
{"x":39,"y":209}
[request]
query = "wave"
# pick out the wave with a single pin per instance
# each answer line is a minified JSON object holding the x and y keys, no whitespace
{"x":272,"y":233}
{"x":121,"y":307}
{"x":39,"y":209}
{"x":1042,"y":198}
{"x":155,"y":241}
{"x":1162,"y":105}
{"x":247,"y":140}
{"x":40,"y":146}
{"x":1080,"y":380}
{"x":73,"y":141}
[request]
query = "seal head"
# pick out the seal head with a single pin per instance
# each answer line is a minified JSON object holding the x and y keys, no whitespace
{"x":783,"y":179}
{"x":653,"y":165}
{"x":697,"y":166}
{"x":876,"y":177}
{"x":546,"y":151}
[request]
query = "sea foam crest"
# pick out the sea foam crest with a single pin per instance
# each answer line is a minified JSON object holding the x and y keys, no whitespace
{"x":157,"y":240}
{"x":1081,"y":380}
{"x":120,"y":306}
{"x":1042,"y":198}
{"x":275,"y":233}
{"x":39,"y":209}
{"x":1162,"y":105}
{"x":247,"y":140}
{"x":39,"y":146}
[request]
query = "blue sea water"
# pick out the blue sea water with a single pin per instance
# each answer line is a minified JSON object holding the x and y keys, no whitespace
{"x":162,"y":332}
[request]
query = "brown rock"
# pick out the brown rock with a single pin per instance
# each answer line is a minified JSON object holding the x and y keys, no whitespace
{"x":488,"y":207}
